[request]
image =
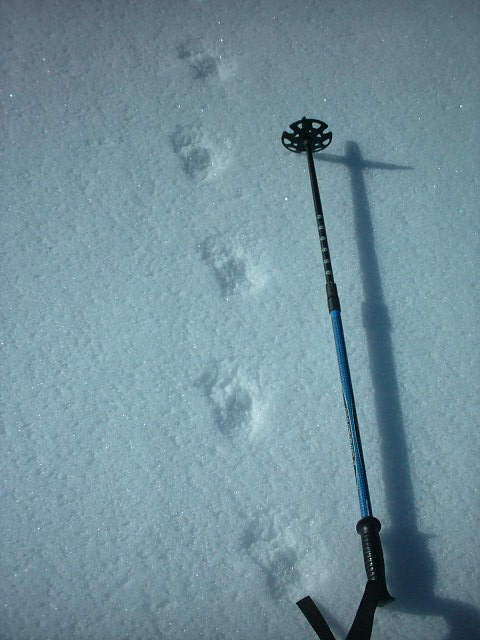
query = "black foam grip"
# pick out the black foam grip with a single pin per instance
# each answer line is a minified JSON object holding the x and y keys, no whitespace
{"x":369,"y":530}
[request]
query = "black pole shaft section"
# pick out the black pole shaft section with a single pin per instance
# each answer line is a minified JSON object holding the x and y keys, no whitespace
{"x":332,"y":295}
{"x":327,"y":263}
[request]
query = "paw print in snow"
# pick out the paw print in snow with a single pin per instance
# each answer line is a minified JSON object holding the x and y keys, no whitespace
{"x":228,"y":265}
{"x":204,"y":62}
{"x":234,"y":398}
{"x":271,"y":551}
{"x":201,"y":159}
{"x":232,"y":266}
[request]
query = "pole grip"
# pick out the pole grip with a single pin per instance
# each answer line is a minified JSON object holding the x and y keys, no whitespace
{"x":369,"y":530}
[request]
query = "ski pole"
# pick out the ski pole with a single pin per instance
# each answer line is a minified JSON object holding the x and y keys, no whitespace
{"x":310,"y":135}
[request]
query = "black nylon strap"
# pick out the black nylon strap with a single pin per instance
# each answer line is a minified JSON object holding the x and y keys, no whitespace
{"x":362,"y":625}
{"x":315,"y":618}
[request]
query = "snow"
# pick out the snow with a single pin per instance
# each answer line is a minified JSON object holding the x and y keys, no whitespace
{"x":175,"y":460}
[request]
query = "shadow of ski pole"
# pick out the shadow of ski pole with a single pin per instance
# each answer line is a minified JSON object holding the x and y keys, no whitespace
{"x":410,"y":567}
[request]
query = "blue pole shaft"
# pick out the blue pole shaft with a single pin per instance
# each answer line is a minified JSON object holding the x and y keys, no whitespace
{"x":351,"y":414}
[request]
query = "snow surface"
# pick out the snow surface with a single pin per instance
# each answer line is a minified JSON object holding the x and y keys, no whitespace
{"x":174,"y":456}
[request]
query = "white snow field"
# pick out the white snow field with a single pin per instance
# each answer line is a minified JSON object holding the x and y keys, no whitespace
{"x":175,"y":462}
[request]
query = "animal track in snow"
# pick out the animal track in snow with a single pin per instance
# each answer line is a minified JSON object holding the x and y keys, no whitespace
{"x":204,"y":62}
{"x":228,"y":264}
{"x":232,"y":267}
{"x":201,"y":158}
{"x":270,"y":549}
{"x":234,"y":398}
